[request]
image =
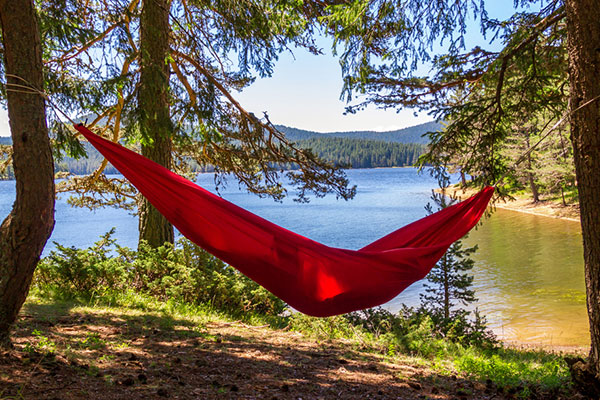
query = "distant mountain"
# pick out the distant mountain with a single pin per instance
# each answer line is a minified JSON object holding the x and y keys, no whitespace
{"x":359,"y":149}
{"x":413,"y":134}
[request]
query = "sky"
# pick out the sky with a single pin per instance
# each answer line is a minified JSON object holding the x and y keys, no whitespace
{"x":304,"y":92}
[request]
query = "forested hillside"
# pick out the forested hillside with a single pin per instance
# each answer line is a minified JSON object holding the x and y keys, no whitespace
{"x":66,"y":164}
{"x":84,"y":165}
{"x":359,"y":149}
{"x":360,"y":153}
{"x":412,"y":134}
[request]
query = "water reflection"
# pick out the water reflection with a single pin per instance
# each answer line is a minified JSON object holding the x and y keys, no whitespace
{"x":529,"y":278}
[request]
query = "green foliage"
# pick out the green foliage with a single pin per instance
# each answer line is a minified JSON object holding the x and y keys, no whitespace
{"x":42,"y":344}
{"x":359,"y":153}
{"x":83,"y":166}
{"x":352,"y":152}
{"x":525,"y":371}
{"x":460,"y":343}
{"x":82,"y":271}
{"x":336,"y":327}
{"x":488,"y":96}
{"x":94,"y":53}
{"x":92,"y":341}
{"x":185,"y":274}
{"x":449,"y":284}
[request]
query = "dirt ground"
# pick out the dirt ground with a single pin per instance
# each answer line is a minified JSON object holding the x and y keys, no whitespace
{"x":70,"y":354}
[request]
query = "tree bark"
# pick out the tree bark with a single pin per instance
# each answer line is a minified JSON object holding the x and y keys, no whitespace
{"x":153,"y":100}
{"x":583,"y":44}
{"x":24,"y":232}
{"x":530,"y":178}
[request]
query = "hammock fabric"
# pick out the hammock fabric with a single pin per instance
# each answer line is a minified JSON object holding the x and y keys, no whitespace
{"x":312,"y":278}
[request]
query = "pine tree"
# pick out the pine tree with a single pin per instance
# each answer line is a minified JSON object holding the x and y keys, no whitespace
{"x":449,"y":282}
{"x":24,"y":232}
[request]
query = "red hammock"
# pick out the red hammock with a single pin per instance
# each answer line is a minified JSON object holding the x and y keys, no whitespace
{"x":312,"y":278}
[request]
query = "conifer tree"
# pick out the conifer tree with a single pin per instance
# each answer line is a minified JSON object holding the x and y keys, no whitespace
{"x":449,"y":282}
{"x":24,"y":232}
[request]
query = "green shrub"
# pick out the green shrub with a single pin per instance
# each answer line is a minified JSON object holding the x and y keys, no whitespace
{"x":183,"y":273}
{"x":82,"y":271}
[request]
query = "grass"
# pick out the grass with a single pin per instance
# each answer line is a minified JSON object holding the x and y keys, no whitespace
{"x":104,"y":327}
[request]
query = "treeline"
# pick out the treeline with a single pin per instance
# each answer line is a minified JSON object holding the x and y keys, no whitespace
{"x":83,"y":166}
{"x":411,"y":134}
{"x":353,"y":153}
{"x":362,"y":153}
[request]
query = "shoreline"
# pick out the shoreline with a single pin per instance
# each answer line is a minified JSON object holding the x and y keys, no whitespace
{"x":571,"y":349}
{"x":544,"y":208}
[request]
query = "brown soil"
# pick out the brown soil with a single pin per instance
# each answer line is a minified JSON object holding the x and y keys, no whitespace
{"x":73,"y":354}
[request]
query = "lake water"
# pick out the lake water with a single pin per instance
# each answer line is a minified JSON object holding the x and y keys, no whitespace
{"x":529,"y":270}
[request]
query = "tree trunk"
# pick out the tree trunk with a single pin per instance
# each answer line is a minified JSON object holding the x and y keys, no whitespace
{"x":446,"y":294}
{"x":153,"y":99}
{"x":583,"y":44}
{"x":534,"y":190}
{"x":26,"y":229}
{"x":535,"y":195}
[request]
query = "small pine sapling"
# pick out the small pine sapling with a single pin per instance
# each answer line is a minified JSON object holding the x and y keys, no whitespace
{"x":448,"y":287}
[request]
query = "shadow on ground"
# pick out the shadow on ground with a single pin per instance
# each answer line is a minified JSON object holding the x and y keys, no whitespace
{"x":63,"y":352}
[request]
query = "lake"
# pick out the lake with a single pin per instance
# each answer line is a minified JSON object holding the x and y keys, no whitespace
{"x":528,"y":275}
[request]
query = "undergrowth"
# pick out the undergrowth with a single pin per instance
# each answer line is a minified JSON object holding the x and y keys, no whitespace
{"x":183,"y":281}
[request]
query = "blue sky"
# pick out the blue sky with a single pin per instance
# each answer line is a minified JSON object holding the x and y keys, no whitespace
{"x":304,"y":92}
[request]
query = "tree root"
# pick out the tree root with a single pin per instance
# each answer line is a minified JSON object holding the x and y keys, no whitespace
{"x":585,"y":377}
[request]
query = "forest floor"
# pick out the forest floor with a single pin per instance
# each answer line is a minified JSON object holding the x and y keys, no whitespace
{"x":523,"y":203}
{"x":64,"y":351}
